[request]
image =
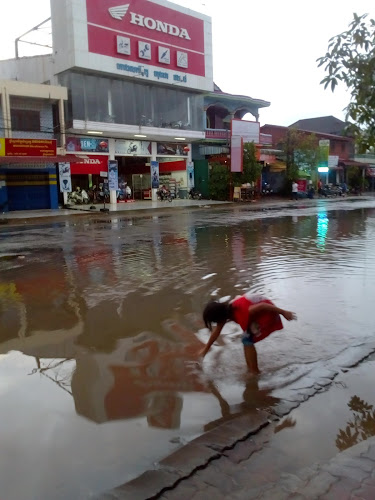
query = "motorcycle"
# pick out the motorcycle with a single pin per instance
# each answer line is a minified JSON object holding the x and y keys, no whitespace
{"x":164,"y":194}
{"x":194,"y":194}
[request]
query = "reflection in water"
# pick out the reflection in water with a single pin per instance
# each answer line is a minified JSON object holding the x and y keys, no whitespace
{"x":110,"y":312}
{"x":360,"y":427}
{"x":322,"y":230}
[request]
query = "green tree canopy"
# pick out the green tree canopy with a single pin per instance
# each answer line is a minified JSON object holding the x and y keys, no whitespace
{"x":251,"y":167}
{"x":350,"y":59}
{"x":301,"y":152}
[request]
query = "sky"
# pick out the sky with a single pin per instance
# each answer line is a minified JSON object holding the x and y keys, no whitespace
{"x":263,"y":49}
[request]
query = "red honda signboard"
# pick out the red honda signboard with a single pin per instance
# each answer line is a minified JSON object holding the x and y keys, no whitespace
{"x":145,"y":32}
{"x":91,"y":165}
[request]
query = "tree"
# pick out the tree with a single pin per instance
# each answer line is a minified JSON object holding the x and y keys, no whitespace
{"x":301,"y":153}
{"x":218,"y":183}
{"x":251,"y":167}
{"x":350,"y":59}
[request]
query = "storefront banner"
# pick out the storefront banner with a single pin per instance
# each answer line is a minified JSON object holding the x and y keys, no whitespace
{"x":154,"y":174}
{"x":65,"y":178}
{"x":132,"y":148}
{"x":90,"y":165}
{"x":28,"y":147}
{"x":190,"y":175}
{"x":87,"y":144}
{"x":113,"y":175}
{"x":171,"y":149}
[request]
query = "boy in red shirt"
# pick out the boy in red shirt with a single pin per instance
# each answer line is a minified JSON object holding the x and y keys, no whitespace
{"x":258,"y":317}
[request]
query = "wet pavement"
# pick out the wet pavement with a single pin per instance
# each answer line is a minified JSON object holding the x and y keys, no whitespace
{"x":323,"y":449}
{"x":100,"y":318}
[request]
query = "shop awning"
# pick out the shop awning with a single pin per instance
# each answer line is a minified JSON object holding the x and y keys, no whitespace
{"x":14,"y":160}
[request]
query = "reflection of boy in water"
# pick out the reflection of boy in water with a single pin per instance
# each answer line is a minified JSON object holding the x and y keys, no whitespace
{"x":258,"y":318}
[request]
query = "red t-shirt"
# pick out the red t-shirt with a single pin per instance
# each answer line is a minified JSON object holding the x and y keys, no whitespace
{"x":262,"y":325}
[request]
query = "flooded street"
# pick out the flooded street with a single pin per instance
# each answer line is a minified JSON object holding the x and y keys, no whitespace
{"x":99,"y":320}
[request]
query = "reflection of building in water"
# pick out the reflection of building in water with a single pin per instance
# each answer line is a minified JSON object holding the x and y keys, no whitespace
{"x":142,"y":377}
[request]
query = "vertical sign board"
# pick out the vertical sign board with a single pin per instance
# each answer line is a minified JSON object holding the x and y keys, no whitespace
{"x":323,"y":153}
{"x":236,"y":154}
{"x":113,"y":175}
{"x":190,"y":175}
{"x":155,"y":174}
{"x":65,"y":178}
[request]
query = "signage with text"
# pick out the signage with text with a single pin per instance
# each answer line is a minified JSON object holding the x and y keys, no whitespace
{"x":87,"y":144}
{"x":90,"y":165}
{"x":28,"y":147}
{"x":148,"y":39}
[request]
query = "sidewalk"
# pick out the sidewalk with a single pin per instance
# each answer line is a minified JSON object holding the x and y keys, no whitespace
{"x":282,"y":454}
{"x":143,"y":208}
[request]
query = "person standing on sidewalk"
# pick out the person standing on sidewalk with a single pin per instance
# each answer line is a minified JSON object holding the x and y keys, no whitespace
{"x":295,"y":190}
{"x":257,"y":316}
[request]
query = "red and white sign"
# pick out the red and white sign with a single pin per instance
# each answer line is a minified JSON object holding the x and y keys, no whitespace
{"x":153,"y":40}
{"x":249,"y":131}
{"x":135,"y":32}
{"x":91,"y":165}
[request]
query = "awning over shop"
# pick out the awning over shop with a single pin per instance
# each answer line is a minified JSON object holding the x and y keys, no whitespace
{"x":14,"y":160}
{"x":352,"y":163}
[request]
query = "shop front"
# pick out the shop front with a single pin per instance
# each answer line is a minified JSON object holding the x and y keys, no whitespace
{"x":134,"y":160}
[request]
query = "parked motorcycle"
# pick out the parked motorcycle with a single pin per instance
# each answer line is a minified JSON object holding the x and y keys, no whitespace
{"x":194,"y":194}
{"x":164,"y":194}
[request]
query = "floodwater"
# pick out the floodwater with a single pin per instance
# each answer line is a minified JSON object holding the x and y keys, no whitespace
{"x":99,"y":321}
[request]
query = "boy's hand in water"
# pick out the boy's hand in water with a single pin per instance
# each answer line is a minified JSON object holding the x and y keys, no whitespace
{"x":289,"y":315}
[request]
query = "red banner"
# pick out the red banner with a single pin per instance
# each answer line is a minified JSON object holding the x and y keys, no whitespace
{"x":91,"y":165}
{"x":30,"y":147}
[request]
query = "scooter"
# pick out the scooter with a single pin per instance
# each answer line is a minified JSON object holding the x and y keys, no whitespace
{"x":194,"y":194}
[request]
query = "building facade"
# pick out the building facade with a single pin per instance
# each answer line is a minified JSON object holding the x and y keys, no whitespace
{"x":140,"y":91}
{"x":31,"y":141}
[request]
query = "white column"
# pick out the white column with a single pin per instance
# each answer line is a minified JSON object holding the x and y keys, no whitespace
{"x":111,"y":148}
{"x":5,"y":104}
{"x":154,"y":152}
{"x":62,"y":124}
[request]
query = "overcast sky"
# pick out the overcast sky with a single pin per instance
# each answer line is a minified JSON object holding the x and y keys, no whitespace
{"x":264,"y":49}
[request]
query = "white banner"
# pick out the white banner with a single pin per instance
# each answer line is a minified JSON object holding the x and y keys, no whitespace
{"x":190,"y":175}
{"x":132,"y":148}
{"x":65,"y":178}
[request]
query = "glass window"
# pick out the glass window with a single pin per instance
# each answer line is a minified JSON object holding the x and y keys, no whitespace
{"x":129,"y":102}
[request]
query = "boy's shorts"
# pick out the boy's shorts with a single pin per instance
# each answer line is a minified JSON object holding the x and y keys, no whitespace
{"x":247,"y":338}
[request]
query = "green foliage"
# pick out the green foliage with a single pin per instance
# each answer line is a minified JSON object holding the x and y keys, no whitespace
{"x":218,"y":183}
{"x":251,"y":167}
{"x":355,"y":178}
{"x":350,"y":59}
{"x":301,"y":153}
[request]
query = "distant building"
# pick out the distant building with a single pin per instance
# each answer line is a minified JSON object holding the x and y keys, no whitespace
{"x":322,"y":124}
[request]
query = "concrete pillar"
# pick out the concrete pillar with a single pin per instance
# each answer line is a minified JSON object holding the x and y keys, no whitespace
{"x":62,"y":124}
{"x":5,"y":105}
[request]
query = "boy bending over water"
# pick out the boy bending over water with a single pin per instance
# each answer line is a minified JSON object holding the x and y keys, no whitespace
{"x":258,"y":317}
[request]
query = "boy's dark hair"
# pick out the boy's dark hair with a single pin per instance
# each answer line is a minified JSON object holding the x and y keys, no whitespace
{"x":216,"y":312}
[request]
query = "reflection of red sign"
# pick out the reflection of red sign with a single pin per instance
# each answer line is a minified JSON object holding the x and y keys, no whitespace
{"x":91,"y":165}
{"x":30,"y":147}
{"x":147,"y":22}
